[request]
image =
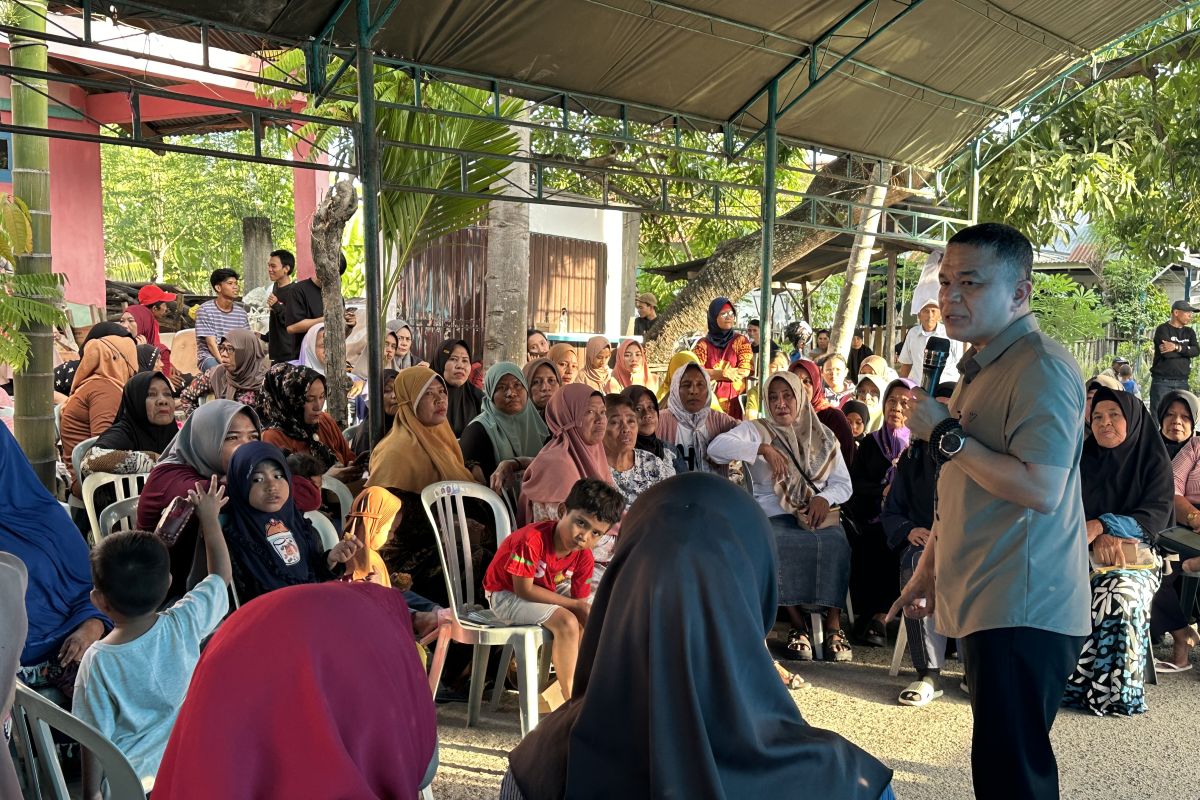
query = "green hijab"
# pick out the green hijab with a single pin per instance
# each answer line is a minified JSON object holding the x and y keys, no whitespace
{"x":513,"y":435}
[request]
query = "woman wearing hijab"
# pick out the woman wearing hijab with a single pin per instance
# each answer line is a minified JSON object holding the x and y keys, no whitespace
{"x":239,"y":376}
{"x":145,"y":425}
{"x":64,"y":373}
{"x":419,"y":451}
{"x":576,"y":419}
{"x":453,"y":363}
{"x":797,"y":475}
{"x":869,"y":392}
{"x":595,"y":372}
{"x":566,"y":359}
{"x":1177,"y":415}
{"x":284,"y":668}
{"x":359,"y":435}
{"x":370,"y":521}
{"x":63,"y":623}
{"x":690,"y":422}
{"x":290,"y":406}
{"x":703,"y":736}
{"x":147,"y":358}
{"x":645,"y":405}
{"x":830,"y":415}
{"x":726,"y":354}
{"x":1128,"y":492}
{"x":877,"y":366}
{"x":858,"y":354}
{"x":1167,"y":614}
{"x":858,"y":416}
{"x":508,"y":432}
{"x":543,"y":379}
{"x":107,"y":365}
{"x":403,"y":333}
{"x":631,"y":368}
{"x":201,"y":449}
{"x":678,"y":362}
{"x":148,"y":329}
{"x":874,"y":565}
{"x":312,"y":355}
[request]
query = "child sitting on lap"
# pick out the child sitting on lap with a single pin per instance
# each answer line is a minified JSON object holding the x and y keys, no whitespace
{"x":541,"y":573}
{"x":131,"y":683}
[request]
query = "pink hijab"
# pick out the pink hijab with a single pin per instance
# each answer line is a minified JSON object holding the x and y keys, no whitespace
{"x":566,"y":458}
{"x":623,"y":375}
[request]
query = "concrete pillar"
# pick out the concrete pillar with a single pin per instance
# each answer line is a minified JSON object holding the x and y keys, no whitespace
{"x":630,"y":231}
{"x":257,"y":245}
{"x":506,"y":313}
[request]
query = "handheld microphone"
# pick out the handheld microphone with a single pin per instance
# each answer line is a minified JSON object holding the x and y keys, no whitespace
{"x":937,"y":351}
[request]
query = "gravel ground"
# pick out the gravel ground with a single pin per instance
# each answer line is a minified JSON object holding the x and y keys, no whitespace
{"x":929,"y":748}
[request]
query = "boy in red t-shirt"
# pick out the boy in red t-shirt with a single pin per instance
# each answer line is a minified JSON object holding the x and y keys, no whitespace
{"x":541,"y":574}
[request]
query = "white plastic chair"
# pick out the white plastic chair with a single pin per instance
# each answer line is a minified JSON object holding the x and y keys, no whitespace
{"x":325,"y":530}
{"x":345,"y":498}
{"x":443,"y":503}
{"x":898,"y":652}
{"x":79,"y":453}
{"x":125,"y":486}
{"x":34,"y":719}
{"x":121,"y":515}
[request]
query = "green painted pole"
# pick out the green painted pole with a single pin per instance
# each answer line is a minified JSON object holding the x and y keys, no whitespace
{"x":34,"y":385}
{"x":770,"y":158}
{"x":974,"y":200}
{"x":368,"y":154}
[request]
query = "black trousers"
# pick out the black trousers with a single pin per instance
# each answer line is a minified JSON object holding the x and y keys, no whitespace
{"x":1017,"y":677}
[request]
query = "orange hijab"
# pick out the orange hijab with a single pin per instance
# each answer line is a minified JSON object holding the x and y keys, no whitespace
{"x":370,"y":521}
{"x":414,"y":455}
{"x":109,"y":358}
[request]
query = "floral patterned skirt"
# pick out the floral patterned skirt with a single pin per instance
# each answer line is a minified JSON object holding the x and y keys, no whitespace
{"x":1110,"y":675}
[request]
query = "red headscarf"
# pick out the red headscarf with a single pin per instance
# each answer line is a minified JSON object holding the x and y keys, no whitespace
{"x":818,"y":399}
{"x":148,"y":327}
{"x":307,"y":691}
{"x":566,"y":458}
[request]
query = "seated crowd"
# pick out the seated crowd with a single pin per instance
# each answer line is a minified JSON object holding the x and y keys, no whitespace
{"x":834,"y":509}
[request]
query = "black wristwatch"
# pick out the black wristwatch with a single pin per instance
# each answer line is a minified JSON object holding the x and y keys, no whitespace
{"x":947,"y":440}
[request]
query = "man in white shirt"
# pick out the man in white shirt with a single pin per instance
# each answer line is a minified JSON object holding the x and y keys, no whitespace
{"x":912,"y":354}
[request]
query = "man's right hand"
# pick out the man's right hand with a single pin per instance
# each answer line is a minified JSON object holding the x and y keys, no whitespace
{"x":916,"y":598}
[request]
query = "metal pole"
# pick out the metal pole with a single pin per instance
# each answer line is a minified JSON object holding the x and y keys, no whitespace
{"x":768,"y":240}
{"x":368,"y":154}
{"x":889,"y":319}
{"x":974,"y":199}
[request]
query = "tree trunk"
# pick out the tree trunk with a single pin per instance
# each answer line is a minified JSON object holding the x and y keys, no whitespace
{"x":328,"y":223}
{"x":256,"y":249}
{"x":506,"y":282}
{"x":34,"y":386}
{"x":735,"y":266}
{"x":859,"y":264}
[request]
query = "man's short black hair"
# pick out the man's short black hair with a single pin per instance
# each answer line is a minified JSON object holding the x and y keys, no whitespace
{"x":341,"y":263}
{"x":614,"y":401}
{"x":286,"y":258}
{"x":1007,"y":244}
{"x":304,"y":465}
{"x":755,"y":322}
{"x":597,"y":498}
{"x":531,"y":332}
{"x":819,"y":331}
{"x":1125,"y":371}
{"x":132,"y":569}
{"x":221,"y":275}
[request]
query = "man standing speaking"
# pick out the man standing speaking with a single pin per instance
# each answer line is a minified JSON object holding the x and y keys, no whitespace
{"x":1007,"y":569}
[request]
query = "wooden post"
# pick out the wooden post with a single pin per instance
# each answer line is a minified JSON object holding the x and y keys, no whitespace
{"x":256,"y":249}
{"x":807,"y":302}
{"x":889,"y":332}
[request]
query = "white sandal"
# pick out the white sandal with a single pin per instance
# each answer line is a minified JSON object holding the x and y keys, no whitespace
{"x":919,"y":693}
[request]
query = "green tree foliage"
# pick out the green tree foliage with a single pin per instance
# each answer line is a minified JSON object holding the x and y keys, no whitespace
{"x":1066,"y":311}
{"x":1136,"y":304}
{"x":25,"y":299}
{"x":176,"y":217}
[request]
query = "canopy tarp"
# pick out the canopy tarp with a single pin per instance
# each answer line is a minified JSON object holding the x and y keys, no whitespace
{"x":913,"y":93}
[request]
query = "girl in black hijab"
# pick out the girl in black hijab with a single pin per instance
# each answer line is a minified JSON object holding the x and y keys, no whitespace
{"x":1128,"y":496}
{"x":702,"y":713}
{"x":1177,"y":414}
{"x":453,"y":362}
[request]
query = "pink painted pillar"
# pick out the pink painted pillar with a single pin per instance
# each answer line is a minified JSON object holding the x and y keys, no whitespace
{"x":310,"y":186}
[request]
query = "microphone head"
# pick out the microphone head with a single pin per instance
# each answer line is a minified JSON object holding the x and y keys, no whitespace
{"x":939,"y":345}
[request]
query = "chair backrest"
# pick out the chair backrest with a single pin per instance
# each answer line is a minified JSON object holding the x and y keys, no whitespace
{"x":119,"y":516}
{"x":35,"y":719}
{"x":79,"y":453}
{"x":125,"y":486}
{"x":443,"y":503}
{"x":325,"y":530}
{"x":345,"y":498}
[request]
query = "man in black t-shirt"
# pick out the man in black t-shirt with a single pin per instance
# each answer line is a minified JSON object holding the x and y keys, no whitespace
{"x":306,"y":307}
{"x":1174,"y":348}
{"x":280,"y":344}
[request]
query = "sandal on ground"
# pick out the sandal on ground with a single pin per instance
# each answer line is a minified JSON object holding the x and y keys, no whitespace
{"x":837,"y":647}
{"x":876,"y":634}
{"x":1169,"y":666}
{"x":798,"y":645}
{"x":919,"y":693}
{"x":790,"y":679}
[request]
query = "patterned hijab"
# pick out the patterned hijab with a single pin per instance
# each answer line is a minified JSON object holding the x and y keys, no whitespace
{"x":250,"y":365}
{"x":806,"y":442}
{"x":519,"y":435}
{"x":112,"y":359}
{"x":281,"y":405}
{"x":370,"y":521}
{"x":595,"y":377}
{"x":414,"y":455}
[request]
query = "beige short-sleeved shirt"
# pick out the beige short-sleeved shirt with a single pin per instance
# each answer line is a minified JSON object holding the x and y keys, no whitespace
{"x":1001,"y":565}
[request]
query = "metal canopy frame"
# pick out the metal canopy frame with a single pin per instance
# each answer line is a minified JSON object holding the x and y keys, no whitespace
{"x":563,"y":113}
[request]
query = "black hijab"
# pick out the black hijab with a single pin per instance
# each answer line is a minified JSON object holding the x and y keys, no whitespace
{"x":1193,"y":404}
{"x":465,"y":401}
{"x":147,"y":354}
{"x":1133,"y":479}
{"x":864,"y":413}
{"x":651,"y":443}
{"x":702,"y":712}
{"x":132,"y":429}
